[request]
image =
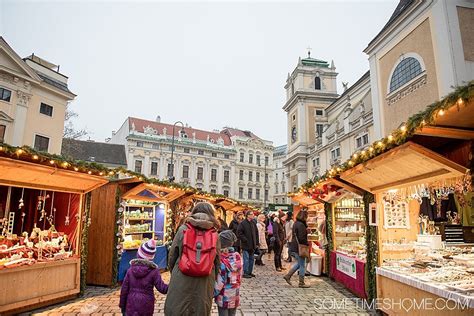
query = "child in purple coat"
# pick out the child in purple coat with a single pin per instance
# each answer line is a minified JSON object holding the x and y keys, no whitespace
{"x":136,"y":296}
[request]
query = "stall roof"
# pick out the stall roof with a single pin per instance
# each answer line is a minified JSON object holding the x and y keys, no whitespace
{"x":408,"y":164}
{"x":35,"y":176}
{"x":153,"y":193}
{"x":304,"y":200}
{"x":456,"y":122}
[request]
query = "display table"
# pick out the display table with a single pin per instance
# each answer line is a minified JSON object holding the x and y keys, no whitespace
{"x":39,"y":284}
{"x":404,"y":288}
{"x":161,"y":260}
{"x":348,"y":271}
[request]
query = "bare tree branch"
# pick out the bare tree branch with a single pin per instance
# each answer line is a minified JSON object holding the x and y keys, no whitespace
{"x":69,"y":130}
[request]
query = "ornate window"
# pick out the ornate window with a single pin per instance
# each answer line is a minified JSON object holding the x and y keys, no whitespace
{"x":317,"y":83}
{"x":405,"y":71}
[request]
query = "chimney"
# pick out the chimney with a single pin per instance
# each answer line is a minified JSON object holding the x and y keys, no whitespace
{"x":158,"y":119}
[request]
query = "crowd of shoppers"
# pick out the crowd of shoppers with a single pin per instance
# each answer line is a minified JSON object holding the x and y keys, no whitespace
{"x":207,"y":260}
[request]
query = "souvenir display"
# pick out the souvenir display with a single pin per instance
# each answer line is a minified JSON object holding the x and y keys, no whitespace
{"x":450,"y":268}
{"x":349,"y":227}
{"x":36,"y":237}
{"x":396,"y":212}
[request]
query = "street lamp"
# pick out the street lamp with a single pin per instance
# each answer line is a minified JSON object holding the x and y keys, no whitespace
{"x":265,"y":182}
{"x":171,"y":174}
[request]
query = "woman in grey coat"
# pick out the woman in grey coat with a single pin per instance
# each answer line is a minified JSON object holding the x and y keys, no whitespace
{"x":191,"y":295}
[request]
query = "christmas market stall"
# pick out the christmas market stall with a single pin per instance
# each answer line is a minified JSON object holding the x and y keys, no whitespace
{"x":43,"y":202}
{"x":317,"y":229}
{"x":421,"y":177}
{"x":346,"y":231}
{"x":413,"y":261}
{"x":146,"y":212}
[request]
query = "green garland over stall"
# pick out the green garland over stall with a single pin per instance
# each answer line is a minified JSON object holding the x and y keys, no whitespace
{"x":117,"y":236}
{"x":371,"y":249}
{"x":85,"y":241}
{"x":330,"y":245}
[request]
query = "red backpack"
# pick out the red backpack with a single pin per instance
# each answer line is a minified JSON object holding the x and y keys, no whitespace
{"x":199,"y":251}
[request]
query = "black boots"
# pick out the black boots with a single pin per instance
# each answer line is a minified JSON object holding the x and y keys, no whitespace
{"x":301,"y":284}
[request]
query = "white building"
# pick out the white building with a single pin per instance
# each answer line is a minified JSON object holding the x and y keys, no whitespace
{"x":253,"y":166}
{"x":347,"y":126}
{"x":280,"y":178}
{"x":310,"y":89}
{"x":228,"y":162}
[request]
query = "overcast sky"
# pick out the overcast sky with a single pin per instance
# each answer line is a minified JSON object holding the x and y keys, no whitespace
{"x":208,"y":64}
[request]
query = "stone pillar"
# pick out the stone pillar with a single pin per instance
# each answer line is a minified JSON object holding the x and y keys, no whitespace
{"x":19,"y":123}
{"x":192,"y":172}
{"x":146,"y":164}
{"x":207,"y":175}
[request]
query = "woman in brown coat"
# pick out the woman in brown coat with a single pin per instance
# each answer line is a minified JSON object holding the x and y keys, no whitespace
{"x":189,"y":295}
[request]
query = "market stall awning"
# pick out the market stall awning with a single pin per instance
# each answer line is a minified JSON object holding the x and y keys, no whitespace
{"x":457,"y":122}
{"x":405,"y":165}
{"x":153,"y":193}
{"x":35,"y":176}
{"x":304,"y":200}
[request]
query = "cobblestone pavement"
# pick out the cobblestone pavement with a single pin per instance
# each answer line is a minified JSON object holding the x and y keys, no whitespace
{"x":267,"y":294}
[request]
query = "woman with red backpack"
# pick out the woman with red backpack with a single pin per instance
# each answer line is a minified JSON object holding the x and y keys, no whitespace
{"x":194,"y":262}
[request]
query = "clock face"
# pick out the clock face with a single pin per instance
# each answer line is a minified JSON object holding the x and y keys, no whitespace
{"x":293,"y":134}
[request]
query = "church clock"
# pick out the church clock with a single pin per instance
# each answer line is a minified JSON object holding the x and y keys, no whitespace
{"x":293,"y":134}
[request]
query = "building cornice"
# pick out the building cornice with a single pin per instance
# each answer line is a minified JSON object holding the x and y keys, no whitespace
{"x":398,"y":23}
{"x":304,"y":95}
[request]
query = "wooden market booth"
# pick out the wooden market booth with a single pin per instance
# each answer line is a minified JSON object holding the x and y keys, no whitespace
{"x":435,"y":160}
{"x":132,"y":212}
{"x":392,"y":177}
{"x":346,"y":232}
{"x":316,"y":221}
{"x":40,"y":247}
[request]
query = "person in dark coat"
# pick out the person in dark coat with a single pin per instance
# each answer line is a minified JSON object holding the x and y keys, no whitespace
{"x":136,"y":295}
{"x":279,"y":234}
{"x":223,"y":225}
{"x":189,"y":295}
{"x":234,"y":225}
{"x":248,"y":235}
{"x":300,"y":236}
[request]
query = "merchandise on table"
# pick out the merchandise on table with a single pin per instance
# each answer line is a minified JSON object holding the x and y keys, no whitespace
{"x":142,"y":221}
{"x":349,"y":227}
{"x":37,"y":226}
{"x":450,"y":268}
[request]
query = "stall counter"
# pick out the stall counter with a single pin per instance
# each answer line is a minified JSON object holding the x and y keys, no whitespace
{"x":349,"y":271}
{"x":398,"y":287}
{"x":161,"y":260}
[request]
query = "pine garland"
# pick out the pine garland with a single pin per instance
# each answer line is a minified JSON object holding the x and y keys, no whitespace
{"x":460,"y":97}
{"x":85,"y":241}
{"x":329,"y":223}
{"x":117,"y":237}
{"x":28,"y":154}
{"x":371,"y":249}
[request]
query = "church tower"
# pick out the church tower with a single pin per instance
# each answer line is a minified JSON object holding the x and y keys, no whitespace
{"x":310,"y":89}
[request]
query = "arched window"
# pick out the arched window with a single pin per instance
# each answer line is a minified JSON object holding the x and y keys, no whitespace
{"x":405,"y":71}
{"x":317,"y":83}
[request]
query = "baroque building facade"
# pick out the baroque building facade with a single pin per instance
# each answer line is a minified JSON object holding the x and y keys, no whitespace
{"x":347,"y":127}
{"x":423,"y":52}
{"x":310,"y":89}
{"x":280,"y":180}
{"x":33,"y":100}
{"x":228,"y":162}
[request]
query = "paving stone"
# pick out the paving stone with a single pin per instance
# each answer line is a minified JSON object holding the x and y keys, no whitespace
{"x":267,"y":294}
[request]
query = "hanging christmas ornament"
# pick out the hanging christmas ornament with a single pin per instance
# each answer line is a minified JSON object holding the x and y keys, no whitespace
{"x":66,"y":221}
{"x":50,"y":217}
{"x":21,"y":204}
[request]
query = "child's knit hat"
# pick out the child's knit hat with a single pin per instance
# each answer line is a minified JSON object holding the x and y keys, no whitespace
{"x":147,"y":250}
{"x":227,"y":238}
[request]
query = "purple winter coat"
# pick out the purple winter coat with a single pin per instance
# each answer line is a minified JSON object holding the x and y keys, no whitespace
{"x":136,"y":295}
